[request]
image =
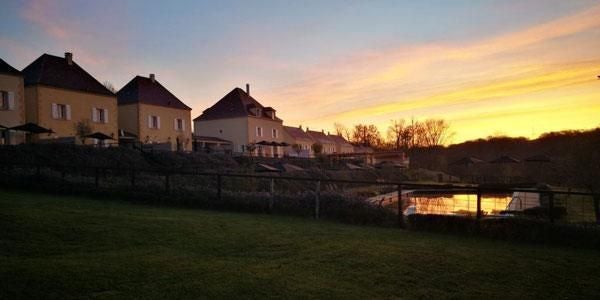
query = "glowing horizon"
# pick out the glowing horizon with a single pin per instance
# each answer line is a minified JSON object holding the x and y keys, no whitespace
{"x":518,"y":68}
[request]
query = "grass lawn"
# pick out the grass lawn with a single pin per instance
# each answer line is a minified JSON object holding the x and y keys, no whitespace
{"x":70,"y":247}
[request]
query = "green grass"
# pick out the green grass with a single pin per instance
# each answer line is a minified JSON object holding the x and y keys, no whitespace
{"x":71,"y":247}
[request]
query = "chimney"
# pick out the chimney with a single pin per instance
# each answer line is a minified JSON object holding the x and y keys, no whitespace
{"x":300,"y":127}
{"x":248,"y":89}
{"x":152,"y":78}
{"x":69,"y":58}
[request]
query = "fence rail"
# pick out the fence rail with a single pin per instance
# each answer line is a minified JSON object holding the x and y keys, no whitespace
{"x":478,"y":190}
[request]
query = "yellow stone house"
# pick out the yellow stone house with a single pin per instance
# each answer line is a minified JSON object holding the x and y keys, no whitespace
{"x":12,"y":104}
{"x":59,"y":94}
{"x":242,"y":123}
{"x":154,"y":115}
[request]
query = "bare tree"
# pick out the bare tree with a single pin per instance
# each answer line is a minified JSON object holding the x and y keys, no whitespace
{"x":395,"y":132}
{"x":366,"y":135}
{"x":109,"y":86}
{"x":317,"y":148}
{"x":434,"y":132}
{"x":342,"y":130}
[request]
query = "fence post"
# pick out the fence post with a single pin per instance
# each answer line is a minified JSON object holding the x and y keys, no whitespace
{"x":97,"y":177}
{"x":219,"y":187}
{"x":272,"y":195}
{"x":478,"y":204}
{"x":167,"y":183}
{"x":317,"y":200}
{"x":400,"y":206}
{"x":597,"y":207}
{"x":551,"y":206}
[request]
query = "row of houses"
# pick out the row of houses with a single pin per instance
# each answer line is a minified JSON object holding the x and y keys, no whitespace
{"x":54,"y":94}
{"x":239,"y":123}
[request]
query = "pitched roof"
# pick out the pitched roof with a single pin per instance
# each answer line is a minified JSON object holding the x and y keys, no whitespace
{"x":297,"y":133}
{"x":5,"y":68}
{"x":144,"y":90}
{"x":338,"y":139}
{"x":320,"y":137}
{"x":54,"y":71}
{"x":236,"y":103}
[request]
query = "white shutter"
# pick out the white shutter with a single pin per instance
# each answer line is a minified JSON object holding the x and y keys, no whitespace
{"x":68,"y":112}
{"x":149,"y":121}
{"x":158,"y":122}
{"x":54,"y":111}
{"x":94,"y":114}
{"x":106,"y":115}
{"x":175,"y":124}
{"x":183,"y":124}
{"x":11,"y":100}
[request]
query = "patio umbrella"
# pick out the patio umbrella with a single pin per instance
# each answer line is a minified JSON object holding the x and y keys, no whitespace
{"x":126,"y":135}
{"x":32,"y":128}
{"x":284,"y":144}
{"x":99,"y":136}
{"x":3,"y":127}
{"x":264,"y":143}
{"x":505,"y":159}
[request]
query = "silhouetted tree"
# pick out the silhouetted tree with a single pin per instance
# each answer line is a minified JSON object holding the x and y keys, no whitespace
{"x":434,"y":132}
{"x":109,"y":86}
{"x":366,"y":135}
{"x":317,"y":148}
{"x":342,"y":130}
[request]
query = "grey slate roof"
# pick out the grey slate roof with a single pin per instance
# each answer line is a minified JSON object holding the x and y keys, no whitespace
{"x":143,"y":90}
{"x":5,"y":68}
{"x":236,"y":103}
{"x":54,"y":71}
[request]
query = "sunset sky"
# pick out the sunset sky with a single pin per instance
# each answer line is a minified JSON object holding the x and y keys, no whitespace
{"x":518,"y":68}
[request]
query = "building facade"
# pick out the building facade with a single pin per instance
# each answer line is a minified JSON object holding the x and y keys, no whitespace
{"x":59,"y":95}
{"x":12,"y":104}
{"x":252,"y":128}
{"x":152,"y":113}
{"x":327,"y":144}
{"x":342,"y":146}
{"x":300,"y":142}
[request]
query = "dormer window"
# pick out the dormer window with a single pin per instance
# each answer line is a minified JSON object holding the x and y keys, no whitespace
{"x":270,"y":112}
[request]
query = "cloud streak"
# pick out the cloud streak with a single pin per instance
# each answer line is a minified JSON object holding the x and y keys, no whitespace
{"x":379,"y":86}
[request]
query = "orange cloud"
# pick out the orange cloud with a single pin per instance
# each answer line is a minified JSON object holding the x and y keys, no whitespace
{"x":430,"y":79}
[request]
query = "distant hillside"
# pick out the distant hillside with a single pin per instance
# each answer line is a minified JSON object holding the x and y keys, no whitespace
{"x":574,"y":156}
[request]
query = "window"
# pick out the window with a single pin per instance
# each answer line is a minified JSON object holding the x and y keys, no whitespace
{"x":154,"y":122}
{"x":179,"y":124}
{"x":61,"y":111}
{"x":7,"y":100}
{"x":259,"y":131}
{"x":275,"y":133}
{"x":100,"y":115}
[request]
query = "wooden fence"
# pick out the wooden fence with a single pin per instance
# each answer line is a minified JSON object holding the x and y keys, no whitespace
{"x":99,"y":173}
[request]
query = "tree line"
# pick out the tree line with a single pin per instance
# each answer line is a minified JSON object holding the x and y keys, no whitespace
{"x":401,"y":134}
